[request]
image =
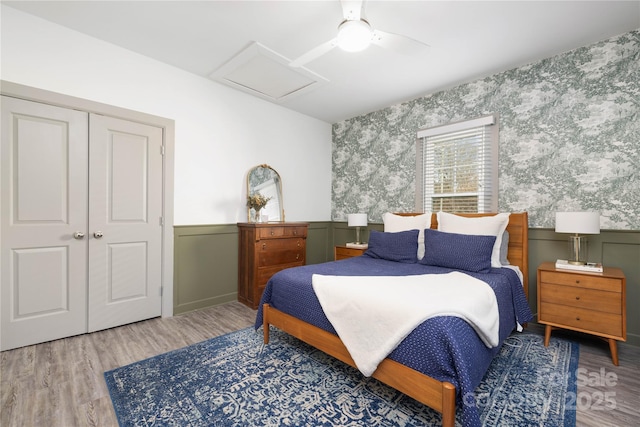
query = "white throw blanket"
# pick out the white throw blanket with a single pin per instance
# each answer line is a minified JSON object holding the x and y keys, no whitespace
{"x":373,"y":314}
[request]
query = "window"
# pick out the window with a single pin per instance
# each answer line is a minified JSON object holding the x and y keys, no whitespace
{"x":457,"y":167}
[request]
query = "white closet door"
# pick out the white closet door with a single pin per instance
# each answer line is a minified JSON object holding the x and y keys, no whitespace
{"x":43,"y":183}
{"x":125,"y":228}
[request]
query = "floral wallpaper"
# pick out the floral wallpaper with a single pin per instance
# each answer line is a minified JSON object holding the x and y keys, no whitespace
{"x":569,"y":139}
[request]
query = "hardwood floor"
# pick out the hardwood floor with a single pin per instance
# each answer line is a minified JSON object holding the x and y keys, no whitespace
{"x":61,"y":383}
{"x":607,"y":395}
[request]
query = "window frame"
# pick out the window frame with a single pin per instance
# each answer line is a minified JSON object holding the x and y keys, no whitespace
{"x":490,"y":127}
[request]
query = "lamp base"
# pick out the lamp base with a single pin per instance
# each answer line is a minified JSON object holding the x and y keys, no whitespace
{"x":358,"y":242}
{"x":577,"y":250}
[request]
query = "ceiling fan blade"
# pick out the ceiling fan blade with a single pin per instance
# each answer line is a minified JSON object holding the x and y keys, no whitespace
{"x":399,"y":43}
{"x":314,"y":53}
{"x":352,"y":9}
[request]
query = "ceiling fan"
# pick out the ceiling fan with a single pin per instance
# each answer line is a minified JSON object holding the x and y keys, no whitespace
{"x":356,"y":34}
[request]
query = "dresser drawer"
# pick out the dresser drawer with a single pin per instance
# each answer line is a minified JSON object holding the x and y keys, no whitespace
{"x":582,"y":280}
{"x":583,"y":319}
{"x":281,"y":232}
{"x":270,"y":233}
{"x":279,"y":245}
{"x":265,"y":273}
{"x":280,"y":257}
{"x":280,"y":251}
{"x":296,"y":232}
{"x":591,"y":299}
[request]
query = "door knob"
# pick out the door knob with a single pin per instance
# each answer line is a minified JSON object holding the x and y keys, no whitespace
{"x":97,"y":234}
{"x":78,"y":235}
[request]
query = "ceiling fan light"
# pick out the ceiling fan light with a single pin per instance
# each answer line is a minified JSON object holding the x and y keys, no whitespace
{"x":354,"y":36}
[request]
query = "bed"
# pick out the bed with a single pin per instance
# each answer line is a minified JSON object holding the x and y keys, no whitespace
{"x":441,"y":378}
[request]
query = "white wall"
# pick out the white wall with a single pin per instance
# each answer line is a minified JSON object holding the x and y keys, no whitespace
{"x":220,"y":133}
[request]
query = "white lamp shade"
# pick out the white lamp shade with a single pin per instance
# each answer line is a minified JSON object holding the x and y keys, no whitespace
{"x":357,"y":220}
{"x":578,"y":222}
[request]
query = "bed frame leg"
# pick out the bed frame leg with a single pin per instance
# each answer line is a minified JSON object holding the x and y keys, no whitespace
{"x":448,"y":405}
{"x":265,"y":322}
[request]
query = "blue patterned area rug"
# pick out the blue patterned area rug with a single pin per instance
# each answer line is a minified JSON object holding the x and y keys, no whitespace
{"x":235,"y":380}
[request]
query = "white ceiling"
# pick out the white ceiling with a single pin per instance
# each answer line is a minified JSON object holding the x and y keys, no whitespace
{"x":468,"y":39}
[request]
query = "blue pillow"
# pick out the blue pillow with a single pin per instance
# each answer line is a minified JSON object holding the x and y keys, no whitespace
{"x":460,"y":251}
{"x":401,"y":246}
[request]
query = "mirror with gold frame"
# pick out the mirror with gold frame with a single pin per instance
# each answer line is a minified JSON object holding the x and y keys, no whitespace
{"x":265,"y":180}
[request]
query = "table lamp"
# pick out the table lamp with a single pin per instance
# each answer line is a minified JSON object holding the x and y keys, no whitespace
{"x":578,"y":223}
{"x":357,"y":220}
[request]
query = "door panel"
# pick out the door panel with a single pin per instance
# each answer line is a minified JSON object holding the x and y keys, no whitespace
{"x":43,"y":181}
{"x":127,"y":271}
{"x":34,"y":267}
{"x":125,"y":205}
{"x":128,"y":170}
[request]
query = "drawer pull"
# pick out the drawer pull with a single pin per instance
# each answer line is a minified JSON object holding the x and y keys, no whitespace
{"x":577,"y":318}
{"x":577,"y":281}
{"x":577,"y":298}
{"x":298,"y":244}
{"x":295,"y":232}
{"x":297,"y":257}
{"x":272,"y":232}
{"x":264,"y":246}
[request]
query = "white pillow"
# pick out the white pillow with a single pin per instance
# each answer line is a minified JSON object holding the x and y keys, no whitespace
{"x":394,"y":223}
{"x":484,"y":225}
{"x":504,"y":249}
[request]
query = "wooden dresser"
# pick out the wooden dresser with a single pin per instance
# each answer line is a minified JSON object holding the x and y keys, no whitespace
{"x":265,"y":249}
{"x":594,"y":303}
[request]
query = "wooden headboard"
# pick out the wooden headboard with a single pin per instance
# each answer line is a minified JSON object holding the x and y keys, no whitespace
{"x":518,"y":228}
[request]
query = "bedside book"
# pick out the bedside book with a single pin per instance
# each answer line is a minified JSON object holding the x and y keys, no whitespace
{"x":357,"y":245}
{"x":590,"y":267}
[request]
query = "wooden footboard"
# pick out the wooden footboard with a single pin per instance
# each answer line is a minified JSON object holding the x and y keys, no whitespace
{"x":440,"y":396}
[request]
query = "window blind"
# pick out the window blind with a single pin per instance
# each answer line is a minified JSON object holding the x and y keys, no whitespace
{"x":457,"y":167}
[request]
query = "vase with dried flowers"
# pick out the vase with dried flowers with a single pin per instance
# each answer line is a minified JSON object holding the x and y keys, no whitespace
{"x":257,"y":201}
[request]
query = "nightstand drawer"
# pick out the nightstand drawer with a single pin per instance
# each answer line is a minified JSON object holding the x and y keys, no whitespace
{"x":583,"y":319}
{"x":342,"y":252}
{"x":591,"y":299}
{"x":581,"y":280}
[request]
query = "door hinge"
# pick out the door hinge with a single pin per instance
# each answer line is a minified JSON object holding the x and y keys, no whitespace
{"x":161,"y":220}
{"x":161,"y":288}
{"x":162,"y":150}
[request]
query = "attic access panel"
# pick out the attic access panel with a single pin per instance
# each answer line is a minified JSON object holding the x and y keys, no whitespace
{"x":262,"y":72}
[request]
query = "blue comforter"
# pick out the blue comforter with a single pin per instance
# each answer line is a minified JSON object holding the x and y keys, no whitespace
{"x":445,"y":348}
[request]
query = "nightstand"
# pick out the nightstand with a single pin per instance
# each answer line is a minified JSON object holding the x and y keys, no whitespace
{"x":342,"y":252}
{"x":594,"y":303}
